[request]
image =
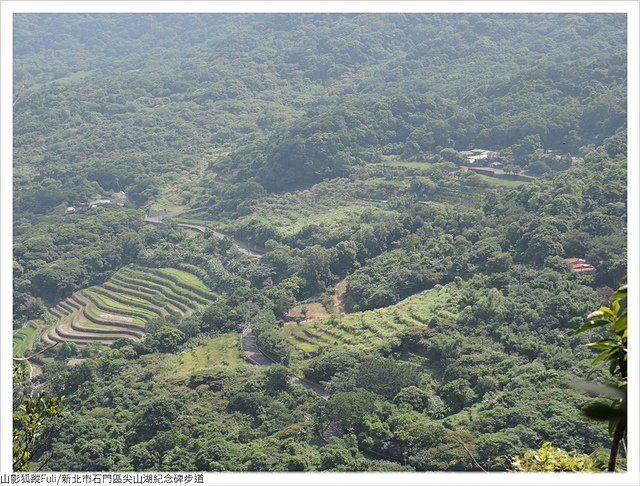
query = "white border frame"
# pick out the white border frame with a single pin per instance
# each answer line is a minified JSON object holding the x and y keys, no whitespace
{"x":630,"y":7}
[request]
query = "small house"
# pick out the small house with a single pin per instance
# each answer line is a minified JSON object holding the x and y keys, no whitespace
{"x":580,"y":265}
{"x":575,"y":260}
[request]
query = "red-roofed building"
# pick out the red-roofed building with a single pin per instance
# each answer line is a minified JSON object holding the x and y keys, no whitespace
{"x":575,"y":260}
{"x":580,"y":265}
{"x":587,"y":269}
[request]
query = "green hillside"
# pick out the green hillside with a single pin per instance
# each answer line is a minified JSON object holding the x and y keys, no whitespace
{"x":398,"y":220}
{"x":369,"y":330}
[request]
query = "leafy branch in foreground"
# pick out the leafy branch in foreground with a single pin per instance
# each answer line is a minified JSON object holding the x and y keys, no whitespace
{"x":549,"y":458}
{"x":613,"y":348}
{"x":31,"y":416}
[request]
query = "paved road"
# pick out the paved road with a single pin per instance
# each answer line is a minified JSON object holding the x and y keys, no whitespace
{"x":314,"y":387}
{"x":242,"y":246}
{"x":254,"y":355}
{"x":332,"y":430}
{"x":497,"y":172}
{"x":251,"y":350}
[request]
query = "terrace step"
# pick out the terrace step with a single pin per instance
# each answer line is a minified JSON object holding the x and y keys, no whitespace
{"x":105,"y":313}
{"x":152,"y":298}
{"x":174,"y":298}
{"x":90,"y":315}
{"x":56,"y":336}
{"x":176,"y":289}
{"x":98,"y":302}
{"x":152,"y":293}
{"x":57,"y":312}
{"x":65,"y":331}
{"x":201,"y":292}
{"x":125,"y":300}
{"x":78,"y":327}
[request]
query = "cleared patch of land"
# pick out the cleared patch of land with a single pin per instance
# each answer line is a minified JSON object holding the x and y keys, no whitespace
{"x":330,"y":203}
{"x":337,"y":299}
{"x":366,"y":330}
{"x":214,"y":352}
{"x":23,"y":338}
{"x":410,"y":165}
{"x":500,"y":181}
{"x":312,"y":310}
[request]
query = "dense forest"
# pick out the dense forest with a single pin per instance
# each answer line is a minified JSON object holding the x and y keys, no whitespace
{"x":315,"y":202}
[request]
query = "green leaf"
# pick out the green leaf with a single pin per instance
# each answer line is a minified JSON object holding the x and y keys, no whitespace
{"x":619,"y":294}
{"x":621,"y":323}
{"x":612,"y":424}
{"x":605,"y":311}
{"x":615,"y":307}
{"x":602,"y":357}
{"x":590,"y":325}
{"x":602,"y":411}
{"x":608,"y":344}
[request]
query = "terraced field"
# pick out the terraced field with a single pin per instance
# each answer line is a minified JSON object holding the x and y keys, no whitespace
{"x":23,"y":338}
{"x":366,"y":330}
{"x":122,"y":306}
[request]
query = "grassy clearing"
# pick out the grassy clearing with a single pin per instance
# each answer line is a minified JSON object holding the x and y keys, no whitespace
{"x":168,"y":207}
{"x":365,"y":330}
{"x":71,"y":78}
{"x":218,"y":351}
{"x":191,"y":233}
{"x":23,"y":339}
{"x":292,"y":219}
{"x":499,"y":181}
{"x":327,"y":203}
{"x":178,"y":191}
{"x":314,"y":310}
{"x":203,"y":219}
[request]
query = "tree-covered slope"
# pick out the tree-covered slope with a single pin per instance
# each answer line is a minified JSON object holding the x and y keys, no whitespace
{"x":432,"y":297}
{"x":140,"y":95}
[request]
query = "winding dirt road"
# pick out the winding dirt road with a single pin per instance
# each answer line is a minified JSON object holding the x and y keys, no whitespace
{"x":337,"y":298}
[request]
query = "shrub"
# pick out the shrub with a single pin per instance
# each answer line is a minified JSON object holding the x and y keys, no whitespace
{"x":549,"y":458}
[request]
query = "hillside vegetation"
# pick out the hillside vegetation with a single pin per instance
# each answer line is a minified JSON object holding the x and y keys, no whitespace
{"x":411,"y":212}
